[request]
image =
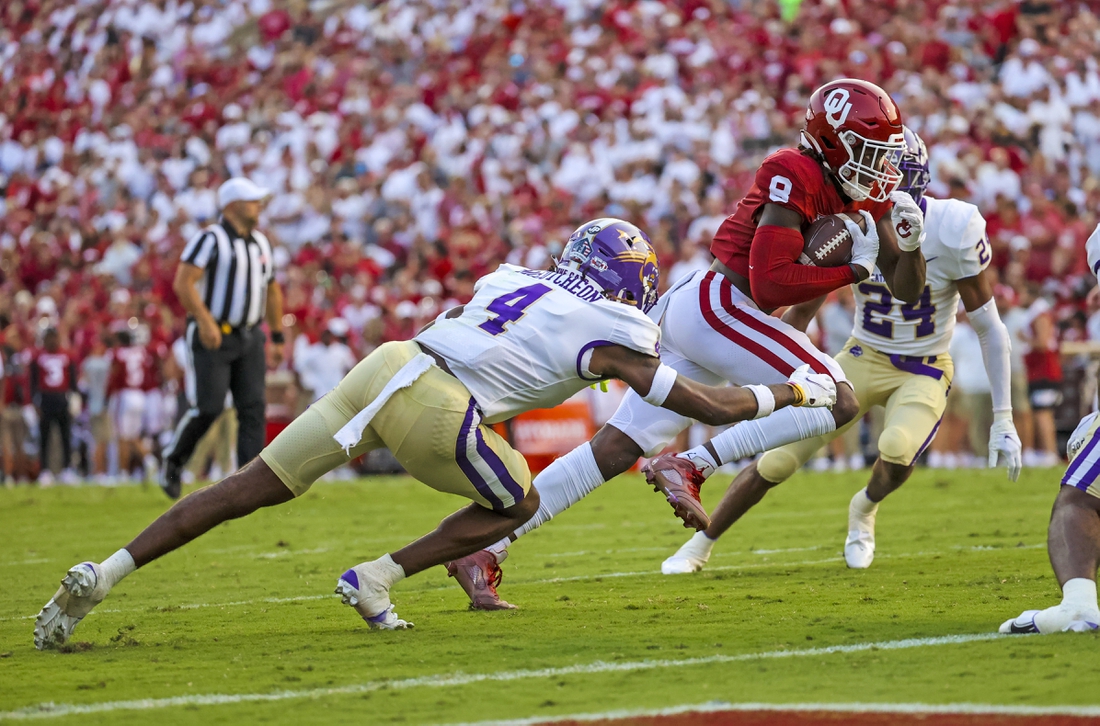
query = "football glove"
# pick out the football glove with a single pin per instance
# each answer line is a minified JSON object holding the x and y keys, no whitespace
{"x":817,"y":389}
{"x":908,"y":221}
{"x":1004,"y":440}
{"x":864,"y":244}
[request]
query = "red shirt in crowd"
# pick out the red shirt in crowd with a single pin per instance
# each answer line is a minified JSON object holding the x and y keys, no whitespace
{"x":134,"y":367}
{"x":52,"y":372}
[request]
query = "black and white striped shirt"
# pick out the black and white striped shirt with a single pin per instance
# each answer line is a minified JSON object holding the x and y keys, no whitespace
{"x":238,"y":270}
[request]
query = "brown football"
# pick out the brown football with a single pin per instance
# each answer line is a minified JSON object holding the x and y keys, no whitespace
{"x":828,"y":243}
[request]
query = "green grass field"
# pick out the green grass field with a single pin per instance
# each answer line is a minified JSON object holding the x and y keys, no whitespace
{"x":247,"y":610}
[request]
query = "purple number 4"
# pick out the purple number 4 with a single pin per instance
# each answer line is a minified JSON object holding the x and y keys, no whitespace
{"x":511,"y":306}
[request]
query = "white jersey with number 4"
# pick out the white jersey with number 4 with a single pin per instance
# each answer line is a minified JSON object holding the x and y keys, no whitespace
{"x":525,"y":339}
{"x":956,"y":247}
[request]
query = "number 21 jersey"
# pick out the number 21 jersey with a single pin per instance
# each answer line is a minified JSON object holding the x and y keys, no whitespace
{"x":525,"y":339}
{"x":956,"y":247}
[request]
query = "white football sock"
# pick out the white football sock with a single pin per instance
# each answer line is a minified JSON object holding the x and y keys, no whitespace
{"x":1079,"y":594}
{"x":561,"y":485}
{"x":700,"y":545}
{"x":388,"y":571}
{"x":702,"y":459}
{"x":116,"y":567}
{"x":500,"y":549}
{"x":862,"y":504}
{"x":749,"y":438}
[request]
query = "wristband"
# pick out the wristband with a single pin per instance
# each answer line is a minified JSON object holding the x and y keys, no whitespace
{"x":799,"y":394}
{"x":765,"y":400}
{"x":277,"y":337}
{"x":663,"y":380}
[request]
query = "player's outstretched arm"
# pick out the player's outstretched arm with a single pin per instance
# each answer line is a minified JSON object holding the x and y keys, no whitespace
{"x":660,"y":385}
{"x":977,"y":297}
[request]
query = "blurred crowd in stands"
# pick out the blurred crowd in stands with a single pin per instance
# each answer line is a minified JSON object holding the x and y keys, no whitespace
{"x":412,"y":146}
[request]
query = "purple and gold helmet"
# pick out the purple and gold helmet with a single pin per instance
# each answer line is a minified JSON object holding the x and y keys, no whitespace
{"x":616,"y":257}
{"x":915,"y":175}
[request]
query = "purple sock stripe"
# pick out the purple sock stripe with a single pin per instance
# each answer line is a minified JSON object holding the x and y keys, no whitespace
{"x":380,"y":617}
{"x":490,"y":457}
{"x":1079,"y":460}
{"x":927,"y":442}
{"x":467,"y":466}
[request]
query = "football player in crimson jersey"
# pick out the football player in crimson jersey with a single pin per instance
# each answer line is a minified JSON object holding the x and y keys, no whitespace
{"x":716,"y":325}
{"x":898,"y":358}
{"x":53,"y":377}
{"x":133,"y":370}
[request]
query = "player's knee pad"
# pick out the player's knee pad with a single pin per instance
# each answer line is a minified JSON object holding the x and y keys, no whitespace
{"x":777,"y":466}
{"x":895,"y":446}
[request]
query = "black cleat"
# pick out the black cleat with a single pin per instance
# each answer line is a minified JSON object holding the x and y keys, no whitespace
{"x":170,"y":478}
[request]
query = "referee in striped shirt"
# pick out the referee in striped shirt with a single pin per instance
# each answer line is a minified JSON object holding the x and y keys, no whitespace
{"x":226,"y":282}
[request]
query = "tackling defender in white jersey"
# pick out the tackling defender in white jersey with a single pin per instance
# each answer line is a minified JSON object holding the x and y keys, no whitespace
{"x":526,"y":340}
{"x":1073,"y":538}
{"x":897,"y":357}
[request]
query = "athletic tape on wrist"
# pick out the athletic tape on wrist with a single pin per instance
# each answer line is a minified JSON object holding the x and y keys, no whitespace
{"x":663,"y":381}
{"x":765,"y":400}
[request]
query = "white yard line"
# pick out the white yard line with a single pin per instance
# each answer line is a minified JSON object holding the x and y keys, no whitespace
{"x":448,"y":680}
{"x":978,"y":709}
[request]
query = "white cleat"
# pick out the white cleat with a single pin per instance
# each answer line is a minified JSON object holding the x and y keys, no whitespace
{"x":691,"y":557}
{"x":1057,"y":619}
{"x":859,"y":549}
{"x":360,"y":588}
{"x":82,"y":588}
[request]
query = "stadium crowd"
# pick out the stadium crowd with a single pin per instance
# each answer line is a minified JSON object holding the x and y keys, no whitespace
{"x":413,"y":146}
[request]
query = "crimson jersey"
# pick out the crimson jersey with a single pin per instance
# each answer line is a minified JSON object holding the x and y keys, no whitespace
{"x":53,"y":372}
{"x":790,"y":179}
{"x":134,"y":366}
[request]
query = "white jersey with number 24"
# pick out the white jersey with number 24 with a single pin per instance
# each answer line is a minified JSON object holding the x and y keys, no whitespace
{"x":956,"y":247}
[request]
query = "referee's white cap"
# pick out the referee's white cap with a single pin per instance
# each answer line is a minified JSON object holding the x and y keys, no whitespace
{"x":240,"y":189}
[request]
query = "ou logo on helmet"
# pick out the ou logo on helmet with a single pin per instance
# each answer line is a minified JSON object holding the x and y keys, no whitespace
{"x":837,"y":107}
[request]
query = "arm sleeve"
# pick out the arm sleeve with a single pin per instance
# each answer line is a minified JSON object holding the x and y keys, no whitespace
{"x":777,"y":279}
{"x":996,"y":346}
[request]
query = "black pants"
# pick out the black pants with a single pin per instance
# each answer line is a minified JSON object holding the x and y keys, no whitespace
{"x":238,"y":366}
{"x":55,"y":410}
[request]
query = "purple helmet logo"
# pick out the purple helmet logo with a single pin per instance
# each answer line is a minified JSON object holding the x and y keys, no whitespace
{"x":913,"y":166}
{"x":618,"y":258}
